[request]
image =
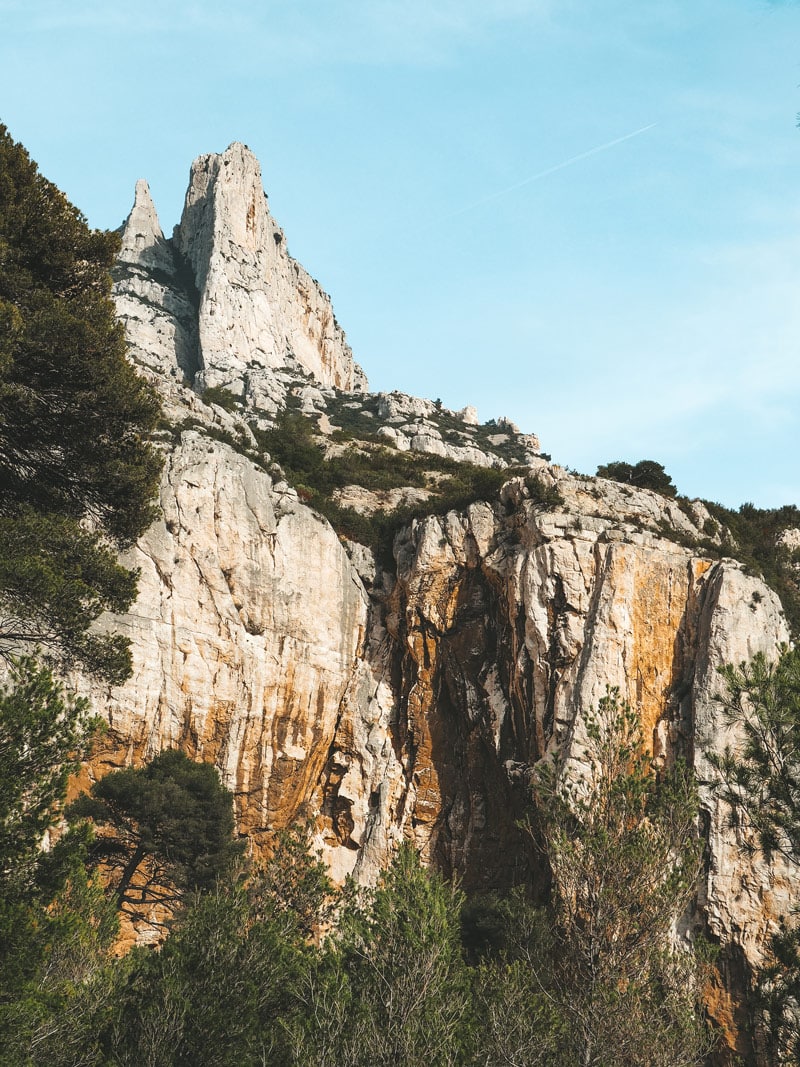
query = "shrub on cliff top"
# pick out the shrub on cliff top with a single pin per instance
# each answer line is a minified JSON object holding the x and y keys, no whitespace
{"x":646,"y":474}
{"x":453,"y":486}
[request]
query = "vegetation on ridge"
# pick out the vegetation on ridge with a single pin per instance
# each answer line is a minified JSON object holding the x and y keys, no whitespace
{"x":749,"y":534}
{"x":646,"y":474}
{"x":293,"y":443}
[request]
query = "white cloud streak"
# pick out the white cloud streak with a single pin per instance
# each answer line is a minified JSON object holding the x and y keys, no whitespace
{"x":547,"y":172}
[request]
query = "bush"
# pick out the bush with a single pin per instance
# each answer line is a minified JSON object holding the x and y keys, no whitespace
{"x":646,"y":474}
{"x":755,"y":531}
{"x":547,"y":496}
{"x":223,"y":398}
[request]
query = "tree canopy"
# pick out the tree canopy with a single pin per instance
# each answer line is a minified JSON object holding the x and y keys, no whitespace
{"x":42,"y":733}
{"x":624,"y":851}
{"x":759,"y":779}
{"x":165,"y":828}
{"x":77,"y":474}
{"x":54,"y":923}
{"x":646,"y":474}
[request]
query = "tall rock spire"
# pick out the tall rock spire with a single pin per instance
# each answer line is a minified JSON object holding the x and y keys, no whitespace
{"x":223,"y":303}
{"x":143,"y":242}
{"x":158,"y":312}
{"x":259,"y":310}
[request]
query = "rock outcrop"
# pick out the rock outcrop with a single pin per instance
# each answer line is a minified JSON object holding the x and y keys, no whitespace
{"x":408,"y":701}
{"x":154,"y":299}
{"x":223,"y":302}
{"x":258,"y":308}
{"x":223,"y":305}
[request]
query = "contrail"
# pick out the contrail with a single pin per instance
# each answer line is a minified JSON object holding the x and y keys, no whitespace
{"x":550,"y":170}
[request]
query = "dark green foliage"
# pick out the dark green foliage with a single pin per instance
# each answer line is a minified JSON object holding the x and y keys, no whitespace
{"x":546,"y":496}
{"x":74,"y":417}
{"x":778,"y":994}
{"x":353,"y":422}
{"x":623,"y":848}
{"x":377,"y":530}
{"x":296,"y":883}
{"x":223,"y":398}
{"x":698,"y":545}
{"x":55,"y":928}
{"x":760,"y":781}
{"x":229,"y":986}
{"x":402,"y":987}
{"x":293,"y":444}
{"x":42,"y":735}
{"x":711,"y":528}
{"x":54,"y":970}
{"x":755,"y":531}
{"x":72,"y":409}
{"x":167,"y":829}
{"x":55,"y":580}
{"x":243,"y":981}
{"x":221,"y":992}
{"x":481,"y":436}
{"x":646,"y":474}
{"x":509,"y":943}
{"x":55,"y":960}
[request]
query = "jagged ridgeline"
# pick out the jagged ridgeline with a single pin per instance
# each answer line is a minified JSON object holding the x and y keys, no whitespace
{"x":379,"y":614}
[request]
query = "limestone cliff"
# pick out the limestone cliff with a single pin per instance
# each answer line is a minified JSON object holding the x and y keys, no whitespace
{"x":411,"y":700}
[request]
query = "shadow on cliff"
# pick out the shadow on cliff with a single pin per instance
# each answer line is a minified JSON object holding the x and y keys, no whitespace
{"x":458,"y":738}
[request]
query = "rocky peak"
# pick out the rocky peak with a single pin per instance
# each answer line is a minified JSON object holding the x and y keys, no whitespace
{"x":223,"y":302}
{"x":259,"y":310}
{"x":225,"y":210}
{"x":143,"y":241}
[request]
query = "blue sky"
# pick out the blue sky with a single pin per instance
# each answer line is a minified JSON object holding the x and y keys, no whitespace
{"x":641,"y":301}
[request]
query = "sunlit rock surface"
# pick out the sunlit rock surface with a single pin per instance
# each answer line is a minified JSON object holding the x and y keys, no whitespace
{"x":408,"y":702}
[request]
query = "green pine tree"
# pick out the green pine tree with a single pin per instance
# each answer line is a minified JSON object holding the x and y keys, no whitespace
{"x":166,"y":829}
{"x":55,"y":925}
{"x":77,"y":474}
{"x":759,"y":779}
{"x":624,"y":851}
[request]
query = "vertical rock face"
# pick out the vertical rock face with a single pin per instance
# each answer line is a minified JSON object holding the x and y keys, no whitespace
{"x":249,"y":625}
{"x":223,"y":303}
{"x":414,"y":706}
